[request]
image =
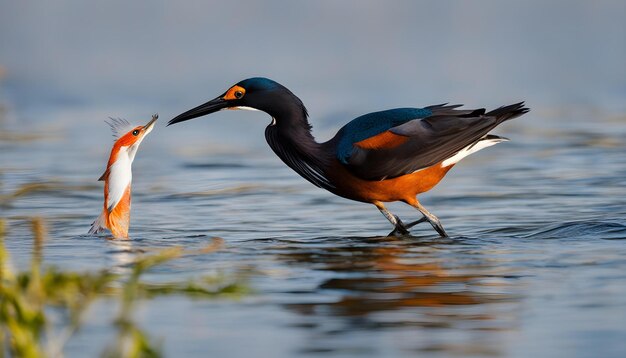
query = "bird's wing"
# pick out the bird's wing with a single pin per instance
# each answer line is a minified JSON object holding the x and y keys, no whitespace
{"x":372,"y":125}
{"x":420,"y":142}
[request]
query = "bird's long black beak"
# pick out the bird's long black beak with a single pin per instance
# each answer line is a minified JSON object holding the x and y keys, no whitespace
{"x":211,"y":106}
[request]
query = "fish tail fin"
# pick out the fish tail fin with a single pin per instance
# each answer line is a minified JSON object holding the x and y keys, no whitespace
{"x":99,"y":225}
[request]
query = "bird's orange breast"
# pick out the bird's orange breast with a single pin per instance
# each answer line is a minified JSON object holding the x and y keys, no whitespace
{"x":404,"y":188}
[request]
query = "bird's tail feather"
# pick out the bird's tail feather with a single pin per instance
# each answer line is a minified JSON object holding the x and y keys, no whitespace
{"x":505,"y":113}
{"x":99,"y":225}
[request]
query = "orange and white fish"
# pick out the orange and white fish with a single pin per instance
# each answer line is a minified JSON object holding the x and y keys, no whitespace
{"x":118,"y":177}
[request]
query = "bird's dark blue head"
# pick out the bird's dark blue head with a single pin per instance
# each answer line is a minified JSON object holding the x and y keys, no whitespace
{"x":257,"y":93}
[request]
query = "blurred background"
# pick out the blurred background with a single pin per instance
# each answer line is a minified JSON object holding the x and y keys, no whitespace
{"x":70,"y":63}
{"x":353,"y":56}
{"x":545,"y":210}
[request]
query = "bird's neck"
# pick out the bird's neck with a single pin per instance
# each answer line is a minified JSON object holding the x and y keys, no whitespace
{"x":295,"y":128}
{"x":289,"y":136}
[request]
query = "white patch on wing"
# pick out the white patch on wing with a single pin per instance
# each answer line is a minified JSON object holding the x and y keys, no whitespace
{"x":473,"y":148}
{"x":120,"y":177}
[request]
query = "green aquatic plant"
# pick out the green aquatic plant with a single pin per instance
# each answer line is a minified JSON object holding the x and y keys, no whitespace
{"x":26,"y":329}
{"x":131,"y":340}
{"x":24,"y":326}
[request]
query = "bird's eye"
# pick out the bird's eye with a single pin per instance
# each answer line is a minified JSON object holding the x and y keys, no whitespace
{"x":238,"y":94}
{"x":136,"y":132}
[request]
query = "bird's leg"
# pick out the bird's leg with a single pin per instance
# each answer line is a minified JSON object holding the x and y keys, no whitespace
{"x":432,"y":219}
{"x":413,"y":223}
{"x":399,"y":227}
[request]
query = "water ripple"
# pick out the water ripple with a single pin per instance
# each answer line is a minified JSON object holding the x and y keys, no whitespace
{"x":582,"y":230}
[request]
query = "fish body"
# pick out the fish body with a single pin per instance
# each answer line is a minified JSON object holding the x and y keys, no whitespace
{"x":118,"y":176}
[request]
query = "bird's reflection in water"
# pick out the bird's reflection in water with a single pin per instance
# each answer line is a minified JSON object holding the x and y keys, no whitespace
{"x":454,"y":300}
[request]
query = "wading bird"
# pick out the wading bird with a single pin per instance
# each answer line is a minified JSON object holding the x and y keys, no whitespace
{"x":118,"y":177}
{"x":379,"y":157}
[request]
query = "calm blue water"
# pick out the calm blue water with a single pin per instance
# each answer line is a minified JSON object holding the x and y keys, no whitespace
{"x":536,"y":261}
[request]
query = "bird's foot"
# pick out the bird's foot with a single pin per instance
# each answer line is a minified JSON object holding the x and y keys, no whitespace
{"x":437,"y":226}
{"x":403,"y":229}
{"x":432,"y":219}
{"x":400,"y":229}
{"x":411,"y":224}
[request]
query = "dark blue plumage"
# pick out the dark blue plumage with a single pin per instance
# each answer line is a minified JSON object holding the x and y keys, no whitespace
{"x":372,"y":124}
{"x":259,"y":83}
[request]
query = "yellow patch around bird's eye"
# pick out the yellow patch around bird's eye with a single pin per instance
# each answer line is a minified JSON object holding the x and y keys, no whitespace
{"x":235,"y":92}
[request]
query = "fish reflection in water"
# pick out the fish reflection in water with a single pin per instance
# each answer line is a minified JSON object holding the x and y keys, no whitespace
{"x":123,"y":255}
{"x":385,"y":283}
